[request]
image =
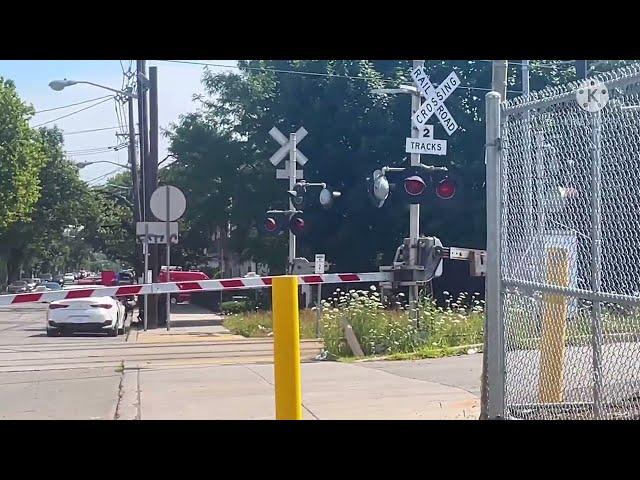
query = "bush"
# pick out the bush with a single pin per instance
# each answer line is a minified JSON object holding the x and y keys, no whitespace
{"x":383,"y":331}
{"x":260,"y":324}
{"x":229,"y":308}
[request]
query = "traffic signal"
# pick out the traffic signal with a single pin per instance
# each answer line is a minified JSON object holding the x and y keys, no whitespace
{"x":273,"y":224}
{"x":378,"y":188}
{"x":297,"y":225}
{"x":298,"y":195}
{"x":422,"y":185}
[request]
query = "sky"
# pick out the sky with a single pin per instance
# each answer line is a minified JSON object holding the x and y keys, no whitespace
{"x":177,"y":83}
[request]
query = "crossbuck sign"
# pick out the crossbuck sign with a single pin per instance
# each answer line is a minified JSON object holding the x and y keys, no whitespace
{"x":435,"y":98}
{"x":283,"y":151}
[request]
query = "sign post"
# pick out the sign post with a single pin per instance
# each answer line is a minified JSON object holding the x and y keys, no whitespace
{"x":290,"y":172}
{"x":168,"y":204}
{"x":319,"y":268}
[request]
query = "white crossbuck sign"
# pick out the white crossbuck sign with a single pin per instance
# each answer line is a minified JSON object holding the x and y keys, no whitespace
{"x":435,"y":98}
{"x":283,"y":151}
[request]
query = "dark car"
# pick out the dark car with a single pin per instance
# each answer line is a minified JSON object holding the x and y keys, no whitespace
{"x":19,"y":286}
{"x":46,"y":277}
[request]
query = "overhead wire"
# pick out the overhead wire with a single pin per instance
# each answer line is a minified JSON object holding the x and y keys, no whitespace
{"x":73,"y":113}
{"x":71,"y":105}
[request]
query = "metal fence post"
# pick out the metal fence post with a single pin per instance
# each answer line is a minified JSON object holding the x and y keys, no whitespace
{"x":494,"y":334}
{"x":596,"y":259}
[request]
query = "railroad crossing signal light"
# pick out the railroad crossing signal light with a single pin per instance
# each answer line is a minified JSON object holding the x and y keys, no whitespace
{"x":297,"y":195}
{"x":297,"y":225}
{"x":327,"y":197}
{"x":273,"y":224}
{"x":421,"y":185}
{"x":414,"y":186}
{"x":378,"y":188}
{"x":446,"y":188}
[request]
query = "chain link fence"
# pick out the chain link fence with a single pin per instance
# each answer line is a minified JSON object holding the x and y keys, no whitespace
{"x":569,"y":252}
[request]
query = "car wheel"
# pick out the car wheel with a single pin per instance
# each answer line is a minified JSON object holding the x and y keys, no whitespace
{"x":174,"y":300}
{"x":114,"y":331}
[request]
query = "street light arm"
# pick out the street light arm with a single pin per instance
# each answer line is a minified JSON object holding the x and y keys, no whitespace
{"x":59,"y":85}
{"x":85,"y":164}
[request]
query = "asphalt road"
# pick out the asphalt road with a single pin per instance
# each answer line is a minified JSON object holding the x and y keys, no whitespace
{"x":194,"y":370}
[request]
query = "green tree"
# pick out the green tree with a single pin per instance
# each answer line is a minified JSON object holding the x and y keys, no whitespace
{"x":223,"y":153}
{"x":21,"y":158}
{"x":52,"y":238}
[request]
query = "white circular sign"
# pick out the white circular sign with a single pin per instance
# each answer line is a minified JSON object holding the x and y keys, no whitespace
{"x":168,"y":199}
{"x":592,"y":96}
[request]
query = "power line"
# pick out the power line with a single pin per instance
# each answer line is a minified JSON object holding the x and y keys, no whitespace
{"x":100,"y":177}
{"x":71,"y":104}
{"x":277,"y":70}
{"x":73,"y":113}
{"x":297,"y":72}
{"x":90,"y":130}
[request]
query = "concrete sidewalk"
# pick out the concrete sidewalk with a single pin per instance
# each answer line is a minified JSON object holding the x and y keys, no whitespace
{"x":331,"y":390}
{"x":189,"y":323}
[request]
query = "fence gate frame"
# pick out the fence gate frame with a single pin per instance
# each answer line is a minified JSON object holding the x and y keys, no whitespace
{"x":501,"y":154}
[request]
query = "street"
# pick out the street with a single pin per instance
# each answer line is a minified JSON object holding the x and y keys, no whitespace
{"x":198,"y":370}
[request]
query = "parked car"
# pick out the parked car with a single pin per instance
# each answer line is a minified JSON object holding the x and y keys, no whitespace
{"x":94,"y":314}
{"x":59,"y":279}
{"x":46,"y":277}
{"x":181,"y":276}
{"x":19,"y":286}
{"x":52,"y":285}
{"x":69,"y":278}
{"x":31,"y":282}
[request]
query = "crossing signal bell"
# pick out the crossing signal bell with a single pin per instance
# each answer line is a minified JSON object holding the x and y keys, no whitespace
{"x":298,"y":195}
{"x":378,"y":188}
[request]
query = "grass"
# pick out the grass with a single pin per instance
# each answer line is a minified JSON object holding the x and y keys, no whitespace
{"x":260,"y":324}
{"x":383,"y":329}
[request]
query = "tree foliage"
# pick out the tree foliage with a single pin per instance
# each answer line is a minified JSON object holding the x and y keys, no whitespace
{"x":21,"y":158}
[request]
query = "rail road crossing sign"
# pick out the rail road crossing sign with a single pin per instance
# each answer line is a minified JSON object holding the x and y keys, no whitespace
{"x":426,"y":146}
{"x":434,"y":103}
{"x":283,"y":152}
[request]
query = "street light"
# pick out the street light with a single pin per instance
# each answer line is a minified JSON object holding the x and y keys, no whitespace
{"x":85,"y":164}
{"x":59,"y":85}
{"x":402,"y":89}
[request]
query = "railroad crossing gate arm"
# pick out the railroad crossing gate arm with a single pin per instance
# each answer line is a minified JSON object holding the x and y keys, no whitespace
{"x":477,"y":258}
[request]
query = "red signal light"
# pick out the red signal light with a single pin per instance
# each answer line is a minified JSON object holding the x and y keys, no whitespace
{"x":270,"y":224}
{"x":446,"y":189}
{"x":414,"y":185}
{"x":298,"y":225}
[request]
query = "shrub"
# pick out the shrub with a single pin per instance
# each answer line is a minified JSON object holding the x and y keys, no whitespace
{"x":229,"y":308}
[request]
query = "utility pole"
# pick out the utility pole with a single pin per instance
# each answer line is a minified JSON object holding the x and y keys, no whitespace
{"x":143,"y":129}
{"x":499,"y":78}
{"x":133,"y":163}
{"x":414,"y":212}
{"x":151,"y":183}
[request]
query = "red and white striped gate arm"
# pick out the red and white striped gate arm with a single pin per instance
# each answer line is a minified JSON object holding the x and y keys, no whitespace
{"x":195,"y":286}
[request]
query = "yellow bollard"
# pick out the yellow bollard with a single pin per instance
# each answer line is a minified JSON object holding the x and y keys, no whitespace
{"x":554,"y":330}
{"x":286,"y":348}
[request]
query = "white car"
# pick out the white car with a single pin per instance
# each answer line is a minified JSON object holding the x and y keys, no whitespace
{"x":68,"y":278}
{"x":93,"y":314}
